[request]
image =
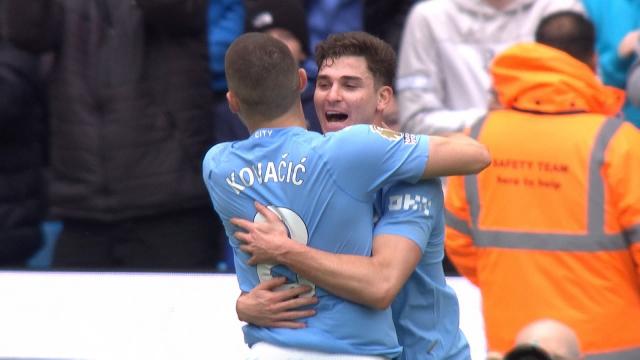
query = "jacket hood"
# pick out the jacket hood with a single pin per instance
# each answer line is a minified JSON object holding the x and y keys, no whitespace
{"x":536,"y":77}
{"x":481,"y":7}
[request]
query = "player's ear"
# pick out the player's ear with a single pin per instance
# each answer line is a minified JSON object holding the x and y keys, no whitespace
{"x":232,"y":100}
{"x":302,"y":79}
{"x":385,"y":94}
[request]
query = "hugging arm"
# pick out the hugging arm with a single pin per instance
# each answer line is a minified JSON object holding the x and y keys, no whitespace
{"x":372,"y":281}
{"x":265,"y":306}
{"x":456,"y":154}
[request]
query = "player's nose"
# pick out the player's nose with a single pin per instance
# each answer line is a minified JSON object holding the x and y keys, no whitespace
{"x":334,"y":94}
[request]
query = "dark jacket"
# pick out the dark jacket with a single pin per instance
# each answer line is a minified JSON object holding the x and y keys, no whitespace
{"x":130,"y":103}
{"x":21,"y":156}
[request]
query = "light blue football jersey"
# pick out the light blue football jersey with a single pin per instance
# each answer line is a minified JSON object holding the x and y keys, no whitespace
{"x":321,"y":186}
{"x":425,"y":311}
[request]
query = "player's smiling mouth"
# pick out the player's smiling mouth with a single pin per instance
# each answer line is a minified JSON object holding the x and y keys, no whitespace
{"x":335,"y":116}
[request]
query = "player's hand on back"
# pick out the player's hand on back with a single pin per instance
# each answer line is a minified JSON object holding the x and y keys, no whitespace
{"x":264,"y":241}
{"x":264,"y":306}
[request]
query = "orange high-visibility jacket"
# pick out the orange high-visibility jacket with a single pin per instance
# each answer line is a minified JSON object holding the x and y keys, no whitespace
{"x":552,"y":228}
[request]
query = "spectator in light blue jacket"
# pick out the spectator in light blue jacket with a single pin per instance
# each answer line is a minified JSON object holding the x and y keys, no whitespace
{"x":617,"y":23}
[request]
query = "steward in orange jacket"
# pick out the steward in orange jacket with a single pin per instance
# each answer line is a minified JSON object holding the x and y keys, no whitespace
{"x":552,"y":228}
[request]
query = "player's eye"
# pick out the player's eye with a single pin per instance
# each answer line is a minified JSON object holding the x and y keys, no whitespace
{"x":323,"y":85}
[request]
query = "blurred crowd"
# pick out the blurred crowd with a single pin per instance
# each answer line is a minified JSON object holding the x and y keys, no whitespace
{"x":107,"y":108}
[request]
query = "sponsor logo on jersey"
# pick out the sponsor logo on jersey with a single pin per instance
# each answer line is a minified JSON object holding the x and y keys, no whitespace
{"x":410,"y":202}
{"x":410,"y":139}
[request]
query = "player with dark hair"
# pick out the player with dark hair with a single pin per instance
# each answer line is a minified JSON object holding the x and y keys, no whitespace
{"x":285,"y":166}
{"x":405,"y":268}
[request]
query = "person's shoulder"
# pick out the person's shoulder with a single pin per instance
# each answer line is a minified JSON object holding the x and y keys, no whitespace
{"x":215,"y":155}
{"x":218,"y":149}
{"x":362,"y":134}
{"x":629,"y":127}
{"x":428,"y":187}
{"x":344,"y":134}
{"x":348,"y":147}
{"x":308,"y":138}
{"x":370,"y":129}
{"x":627,"y":134}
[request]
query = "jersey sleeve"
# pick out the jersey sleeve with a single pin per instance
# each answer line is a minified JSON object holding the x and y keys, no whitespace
{"x":209,"y":166}
{"x":226,"y":205}
{"x":366,"y":157}
{"x":410,"y":211}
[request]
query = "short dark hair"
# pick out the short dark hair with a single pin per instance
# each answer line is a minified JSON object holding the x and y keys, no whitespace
{"x":379,"y":55}
{"x":570,"y":32}
{"x":527,"y":352}
{"x":263,"y":74}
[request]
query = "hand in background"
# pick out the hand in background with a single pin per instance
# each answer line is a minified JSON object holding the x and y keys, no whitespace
{"x":628,"y":44}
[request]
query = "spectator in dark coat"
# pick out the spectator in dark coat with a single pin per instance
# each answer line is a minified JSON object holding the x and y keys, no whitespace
{"x":22,"y":124}
{"x":130,"y":122}
{"x":385,"y":19}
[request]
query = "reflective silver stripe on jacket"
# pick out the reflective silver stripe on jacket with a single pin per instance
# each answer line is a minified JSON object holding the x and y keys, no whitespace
{"x":594,"y":240}
{"x":456,"y":223}
{"x":630,"y":354}
{"x":633,"y":235}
